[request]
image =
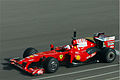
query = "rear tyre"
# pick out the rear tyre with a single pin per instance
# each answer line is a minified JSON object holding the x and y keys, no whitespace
{"x":29,"y":51}
{"x":51,"y":65}
{"x":108,"y":55}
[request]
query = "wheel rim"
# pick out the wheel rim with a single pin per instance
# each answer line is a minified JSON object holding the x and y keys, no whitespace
{"x":53,"y":65}
{"x":111,"y":56}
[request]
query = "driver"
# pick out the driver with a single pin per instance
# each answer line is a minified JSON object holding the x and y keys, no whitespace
{"x":74,"y":44}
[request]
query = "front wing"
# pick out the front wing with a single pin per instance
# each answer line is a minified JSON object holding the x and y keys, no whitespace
{"x":33,"y":71}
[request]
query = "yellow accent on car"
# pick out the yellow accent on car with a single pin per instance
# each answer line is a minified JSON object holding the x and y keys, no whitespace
{"x":77,"y":57}
{"x":31,"y":56}
{"x":75,"y":47}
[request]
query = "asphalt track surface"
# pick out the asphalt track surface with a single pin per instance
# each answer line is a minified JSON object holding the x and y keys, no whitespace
{"x":37,"y":23}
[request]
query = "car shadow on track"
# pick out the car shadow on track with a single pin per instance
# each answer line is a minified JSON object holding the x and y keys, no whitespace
{"x":8,"y":66}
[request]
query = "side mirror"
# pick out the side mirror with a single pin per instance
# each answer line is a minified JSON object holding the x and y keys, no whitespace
{"x":51,"y":46}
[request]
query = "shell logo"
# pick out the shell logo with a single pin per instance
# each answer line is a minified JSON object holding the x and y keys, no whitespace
{"x":78,"y":57}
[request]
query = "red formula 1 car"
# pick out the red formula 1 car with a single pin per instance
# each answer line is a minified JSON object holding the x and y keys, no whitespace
{"x":100,"y":47}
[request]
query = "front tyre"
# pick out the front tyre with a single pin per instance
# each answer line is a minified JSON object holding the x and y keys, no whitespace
{"x":51,"y":65}
{"x":29,"y":51}
{"x":108,"y":55}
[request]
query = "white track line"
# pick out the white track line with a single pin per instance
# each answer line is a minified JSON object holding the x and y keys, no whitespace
{"x":113,"y":78}
{"x":76,"y":72}
{"x":98,"y":75}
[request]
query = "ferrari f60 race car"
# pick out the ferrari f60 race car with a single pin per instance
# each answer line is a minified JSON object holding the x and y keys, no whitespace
{"x":99,"y":47}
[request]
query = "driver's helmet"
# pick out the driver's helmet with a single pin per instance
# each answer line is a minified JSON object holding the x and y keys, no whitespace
{"x":67,"y":47}
{"x":74,"y":42}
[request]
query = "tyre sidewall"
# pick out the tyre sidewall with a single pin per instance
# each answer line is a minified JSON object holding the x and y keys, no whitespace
{"x":48,"y":63}
{"x":106,"y":53}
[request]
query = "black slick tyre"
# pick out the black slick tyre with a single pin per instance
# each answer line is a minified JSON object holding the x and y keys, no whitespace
{"x":108,"y":55}
{"x":51,"y":65}
{"x":29,"y":51}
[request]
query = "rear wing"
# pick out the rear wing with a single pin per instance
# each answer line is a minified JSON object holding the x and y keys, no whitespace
{"x":109,"y":42}
{"x":106,"y":41}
